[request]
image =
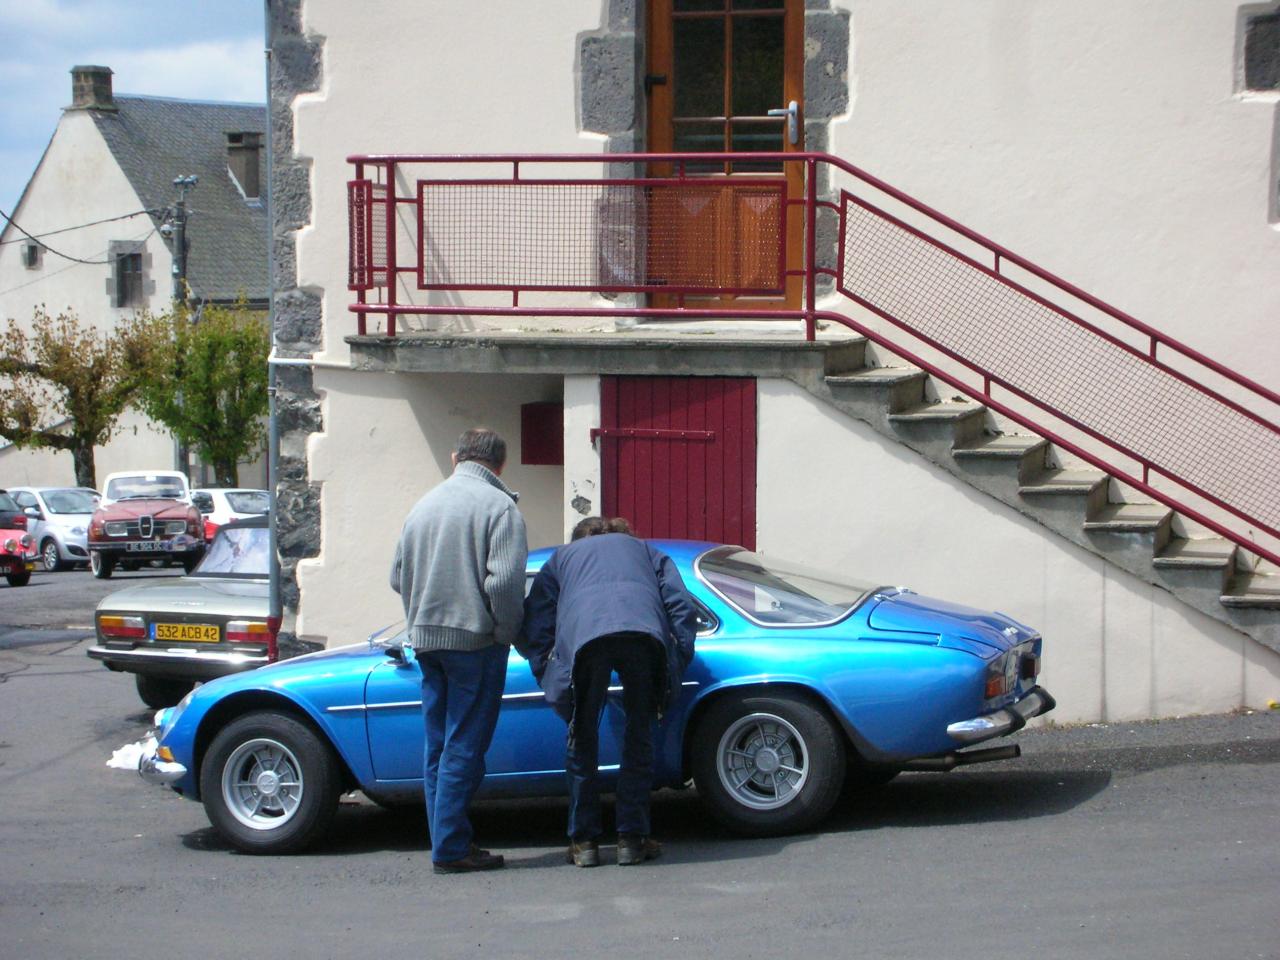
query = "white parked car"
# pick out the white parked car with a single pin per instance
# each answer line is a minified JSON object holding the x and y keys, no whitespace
{"x":58,"y":521}
{"x":220,"y":505}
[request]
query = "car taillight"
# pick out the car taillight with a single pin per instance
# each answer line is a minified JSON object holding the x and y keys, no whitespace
{"x":19,"y":522}
{"x":124,"y":628}
{"x":255,"y":631}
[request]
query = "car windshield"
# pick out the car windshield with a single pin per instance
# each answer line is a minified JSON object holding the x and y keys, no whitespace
{"x":237,"y":552}
{"x":68,"y":501}
{"x":249,"y":501}
{"x":143,"y":486}
{"x":780,"y":592}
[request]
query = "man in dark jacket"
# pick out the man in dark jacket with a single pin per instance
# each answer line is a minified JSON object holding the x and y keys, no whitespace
{"x":605,"y":603}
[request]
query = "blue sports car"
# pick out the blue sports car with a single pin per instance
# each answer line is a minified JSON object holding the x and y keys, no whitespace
{"x":802,"y":680}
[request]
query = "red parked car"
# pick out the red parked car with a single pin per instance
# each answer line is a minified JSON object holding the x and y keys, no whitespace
{"x":144,"y":516}
{"x":17,"y":556}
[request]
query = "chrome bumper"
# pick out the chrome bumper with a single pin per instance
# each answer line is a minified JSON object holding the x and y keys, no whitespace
{"x":1004,"y":721}
{"x":231,"y":660}
{"x":154,"y":770}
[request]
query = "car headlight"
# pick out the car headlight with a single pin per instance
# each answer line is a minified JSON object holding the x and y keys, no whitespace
{"x":175,"y":526}
{"x":117,"y":528}
{"x":11,"y":545}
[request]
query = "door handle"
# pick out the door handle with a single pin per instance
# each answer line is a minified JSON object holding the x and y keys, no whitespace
{"x":792,"y":112}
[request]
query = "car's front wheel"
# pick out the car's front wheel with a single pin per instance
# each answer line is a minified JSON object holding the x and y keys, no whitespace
{"x":768,"y":765}
{"x":18,"y":579}
{"x":270,"y":784}
{"x":102,"y":564}
{"x":160,"y":692}
{"x":50,"y":556}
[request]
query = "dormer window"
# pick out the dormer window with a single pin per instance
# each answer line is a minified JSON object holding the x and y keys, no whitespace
{"x":32,"y":255}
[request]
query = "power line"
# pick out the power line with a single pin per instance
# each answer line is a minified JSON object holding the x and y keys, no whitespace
{"x":57,"y":253}
{"x":91,"y":223}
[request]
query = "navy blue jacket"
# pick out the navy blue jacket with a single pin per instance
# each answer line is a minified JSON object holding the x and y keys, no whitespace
{"x":608,"y":583}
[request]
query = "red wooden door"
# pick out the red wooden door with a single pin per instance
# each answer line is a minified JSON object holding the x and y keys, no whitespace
{"x":678,"y":456}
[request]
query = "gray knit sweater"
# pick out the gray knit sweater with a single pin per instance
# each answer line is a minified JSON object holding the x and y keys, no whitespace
{"x":459,"y":566}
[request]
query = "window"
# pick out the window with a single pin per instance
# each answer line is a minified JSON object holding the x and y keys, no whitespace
{"x":1262,"y":54}
{"x":780,"y":593}
{"x":32,"y":254}
{"x":128,"y":279}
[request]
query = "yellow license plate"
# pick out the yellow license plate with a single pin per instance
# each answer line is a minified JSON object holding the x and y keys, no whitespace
{"x":201,"y":632}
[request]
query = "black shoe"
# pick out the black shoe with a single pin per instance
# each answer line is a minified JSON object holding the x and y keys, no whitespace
{"x":584,"y":854}
{"x":471,"y":863}
{"x":633,"y":849}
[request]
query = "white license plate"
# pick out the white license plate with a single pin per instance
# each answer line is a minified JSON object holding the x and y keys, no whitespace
{"x":148,"y":546}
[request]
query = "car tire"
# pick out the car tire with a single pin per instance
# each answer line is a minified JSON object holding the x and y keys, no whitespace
{"x":51,"y":557}
{"x":128,"y":566}
{"x":102,"y":564}
{"x":768,"y":765}
{"x":190,"y":563}
{"x":160,"y":692}
{"x":270,"y":784}
{"x":18,"y":579}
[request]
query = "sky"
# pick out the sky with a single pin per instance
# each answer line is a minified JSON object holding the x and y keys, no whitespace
{"x":210,"y":50}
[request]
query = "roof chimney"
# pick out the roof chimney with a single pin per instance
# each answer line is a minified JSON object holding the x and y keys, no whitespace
{"x":91,"y":89}
{"x":243,"y":151}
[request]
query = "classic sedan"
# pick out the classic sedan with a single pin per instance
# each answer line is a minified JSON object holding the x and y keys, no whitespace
{"x":144,"y":516}
{"x":173,"y":633}
{"x":802,"y":680}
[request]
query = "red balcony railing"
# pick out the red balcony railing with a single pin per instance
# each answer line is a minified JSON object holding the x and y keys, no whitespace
{"x":1158,"y":415}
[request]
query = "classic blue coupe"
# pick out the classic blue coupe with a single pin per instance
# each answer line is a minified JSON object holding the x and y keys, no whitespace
{"x":803,"y":679}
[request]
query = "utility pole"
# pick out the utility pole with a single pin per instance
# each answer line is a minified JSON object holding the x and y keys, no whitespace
{"x":178,"y":225}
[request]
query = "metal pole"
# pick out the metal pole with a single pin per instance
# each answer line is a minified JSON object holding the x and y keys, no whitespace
{"x":275,"y":604}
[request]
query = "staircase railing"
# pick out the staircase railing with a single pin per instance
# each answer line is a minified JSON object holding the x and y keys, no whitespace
{"x":477,"y":235}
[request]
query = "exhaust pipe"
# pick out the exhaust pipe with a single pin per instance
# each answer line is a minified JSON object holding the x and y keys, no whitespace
{"x":950,"y":761}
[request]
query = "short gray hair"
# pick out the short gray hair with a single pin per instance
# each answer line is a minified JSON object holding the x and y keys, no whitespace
{"x":483,"y":446}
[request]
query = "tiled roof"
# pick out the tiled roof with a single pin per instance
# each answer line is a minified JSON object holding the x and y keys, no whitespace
{"x":156,"y":139}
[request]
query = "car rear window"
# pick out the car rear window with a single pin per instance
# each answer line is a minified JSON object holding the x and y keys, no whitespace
{"x":237,"y":552}
{"x":7,"y":502}
{"x":249,"y":501}
{"x":777,"y":592}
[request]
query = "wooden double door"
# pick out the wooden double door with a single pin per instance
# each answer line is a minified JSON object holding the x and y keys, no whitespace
{"x":727,"y":76}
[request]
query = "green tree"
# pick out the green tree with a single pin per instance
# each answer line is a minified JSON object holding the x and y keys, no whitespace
{"x":208,"y":382}
{"x":63,"y":385}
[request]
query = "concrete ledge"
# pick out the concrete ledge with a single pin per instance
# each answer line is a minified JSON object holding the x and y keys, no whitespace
{"x":622,"y":353}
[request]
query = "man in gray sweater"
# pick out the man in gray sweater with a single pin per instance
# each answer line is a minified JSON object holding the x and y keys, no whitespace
{"x":459,"y":569}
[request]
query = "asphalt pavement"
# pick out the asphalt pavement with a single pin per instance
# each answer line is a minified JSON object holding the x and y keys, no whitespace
{"x":1139,"y":840}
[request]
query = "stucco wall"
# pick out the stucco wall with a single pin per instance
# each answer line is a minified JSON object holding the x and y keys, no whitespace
{"x":1105,"y":141}
{"x":390,"y":445}
{"x":1115,"y":648}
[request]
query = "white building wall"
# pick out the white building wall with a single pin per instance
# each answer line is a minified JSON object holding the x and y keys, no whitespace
{"x":387,"y":441}
{"x":78,"y":182}
{"x":1104,"y":141}
{"x":1115,"y":648}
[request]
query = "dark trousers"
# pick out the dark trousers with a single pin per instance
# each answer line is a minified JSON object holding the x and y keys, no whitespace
{"x":632,"y":657}
{"x":461,"y":696}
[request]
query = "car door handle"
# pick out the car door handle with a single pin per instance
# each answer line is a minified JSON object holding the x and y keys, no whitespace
{"x":792,"y":112}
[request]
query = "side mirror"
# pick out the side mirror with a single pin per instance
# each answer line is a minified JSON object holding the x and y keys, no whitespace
{"x":33,"y":512}
{"x":401,"y":654}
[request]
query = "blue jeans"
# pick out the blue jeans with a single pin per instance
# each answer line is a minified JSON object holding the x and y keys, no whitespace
{"x":461,"y":696}
{"x":634,"y":658}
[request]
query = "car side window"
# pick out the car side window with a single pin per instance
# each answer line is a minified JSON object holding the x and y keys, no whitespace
{"x":26,"y":499}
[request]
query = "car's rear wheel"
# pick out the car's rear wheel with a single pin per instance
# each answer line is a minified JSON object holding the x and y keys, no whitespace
{"x":50,"y":556}
{"x":102,"y":564}
{"x":767,"y":765}
{"x":18,"y":579}
{"x":159,"y":692}
{"x":270,"y":784}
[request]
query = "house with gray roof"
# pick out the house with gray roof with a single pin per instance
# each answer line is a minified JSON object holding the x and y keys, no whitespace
{"x":135,"y":200}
